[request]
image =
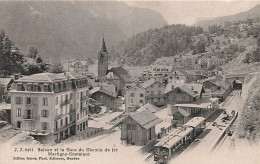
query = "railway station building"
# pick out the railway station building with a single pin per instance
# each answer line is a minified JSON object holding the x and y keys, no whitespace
{"x":139,"y":128}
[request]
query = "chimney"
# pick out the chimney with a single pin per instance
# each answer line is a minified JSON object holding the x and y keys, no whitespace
{"x":16,"y":77}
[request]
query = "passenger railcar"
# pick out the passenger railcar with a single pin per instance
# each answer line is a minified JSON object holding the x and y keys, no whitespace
{"x":175,"y":142}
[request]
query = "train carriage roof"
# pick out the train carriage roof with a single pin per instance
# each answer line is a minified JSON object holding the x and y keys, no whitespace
{"x":194,"y":122}
{"x":172,"y":140}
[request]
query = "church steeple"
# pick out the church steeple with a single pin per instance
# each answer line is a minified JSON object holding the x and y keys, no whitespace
{"x":102,"y":60}
{"x":103,"y":46}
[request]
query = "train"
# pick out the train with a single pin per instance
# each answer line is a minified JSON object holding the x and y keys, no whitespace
{"x":176,"y":141}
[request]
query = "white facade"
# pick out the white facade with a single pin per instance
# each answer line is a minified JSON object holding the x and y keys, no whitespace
{"x":47,"y":105}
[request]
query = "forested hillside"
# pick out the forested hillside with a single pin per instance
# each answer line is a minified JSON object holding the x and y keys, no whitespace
{"x":145,"y":47}
{"x":230,"y":42}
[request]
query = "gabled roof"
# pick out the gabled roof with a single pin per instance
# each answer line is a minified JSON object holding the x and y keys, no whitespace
{"x":111,"y":75}
{"x":5,"y":81}
{"x":187,"y":90}
{"x":149,"y":83}
{"x":149,"y":107}
{"x":99,"y":89}
{"x":181,"y":111}
{"x":146,"y":118}
{"x":121,"y":73}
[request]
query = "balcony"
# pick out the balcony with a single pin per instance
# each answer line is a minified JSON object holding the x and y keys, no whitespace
{"x":65,"y":126}
{"x":31,"y":117}
{"x":65,"y":102}
{"x":31,"y":105}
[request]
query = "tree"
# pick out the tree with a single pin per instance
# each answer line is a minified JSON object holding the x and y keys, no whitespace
{"x":32,"y":52}
{"x":247,"y":58}
{"x":56,"y":68}
{"x":11,"y":60}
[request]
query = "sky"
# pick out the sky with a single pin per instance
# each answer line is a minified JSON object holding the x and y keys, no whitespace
{"x":189,"y":12}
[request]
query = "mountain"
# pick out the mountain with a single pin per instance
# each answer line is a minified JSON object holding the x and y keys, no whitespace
{"x":65,"y":29}
{"x":252,"y":13}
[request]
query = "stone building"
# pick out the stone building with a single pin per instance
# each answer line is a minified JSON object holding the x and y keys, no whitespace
{"x":50,"y":106}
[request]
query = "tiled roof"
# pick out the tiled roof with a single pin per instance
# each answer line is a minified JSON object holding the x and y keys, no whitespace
{"x":146,"y":119}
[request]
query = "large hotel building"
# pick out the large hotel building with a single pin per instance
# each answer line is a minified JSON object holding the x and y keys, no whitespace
{"x":50,"y":106}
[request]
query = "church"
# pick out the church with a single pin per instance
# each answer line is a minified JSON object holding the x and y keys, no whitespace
{"x":116,"y":75}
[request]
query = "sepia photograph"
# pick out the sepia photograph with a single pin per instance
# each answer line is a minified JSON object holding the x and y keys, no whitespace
{"x":129,"y":82}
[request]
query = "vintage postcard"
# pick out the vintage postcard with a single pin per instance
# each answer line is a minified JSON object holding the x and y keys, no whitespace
{"x":123,"y":82}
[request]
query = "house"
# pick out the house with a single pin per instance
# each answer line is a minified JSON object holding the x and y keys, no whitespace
{"x":203,"y":107}
{"x":178,"y":75}
{"x":120,"y":77}
{"x":139,"y":128}
{"x":134,"y":98}
{"x":184,"y":93}
{"x":154,"y":92}
{"x":157,"y":71}
{"x":50,"y":106}
{"x":103,"y":96}
{"x":76,"y":66}
{"x":180,"y":116}
{"x":219,"y":88}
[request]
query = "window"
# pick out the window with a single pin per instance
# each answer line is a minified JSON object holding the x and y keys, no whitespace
{"x":45,"y":113}
{"x":29,"y":87}
{"x":132,"y":95}
{"x":66,"y":121}
{"x":57,"y":100}
{"x":35,"y":87}
{"x":44,"y":125}
{"x":131,"y":127}
{"x":19,"y":124}
{"x":78,"y":116}
{"x":45,"y":88}
{"x":19,"y":87}
{"x":56,"y":125}
{"x":70,"y":96}
{"x":141,"y":101}
{"x":18,"y":112}
{"x":61,"y":122}
{"x":18,"y":100}
{"x":141,"y":95}
{"x":45,"y":102}
{"x":159,"y":92}
{"x":132,"y":101}
{"x":28,"y":100}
